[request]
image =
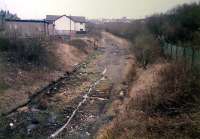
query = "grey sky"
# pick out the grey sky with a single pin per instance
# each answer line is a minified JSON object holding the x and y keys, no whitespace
{"x":89,"y":8}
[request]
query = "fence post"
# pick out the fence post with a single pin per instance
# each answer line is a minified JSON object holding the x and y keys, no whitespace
{"x":176,"y":53}
{"x":184,"y":58}
{"x":171,"y":53}
{"x":192,"y":63}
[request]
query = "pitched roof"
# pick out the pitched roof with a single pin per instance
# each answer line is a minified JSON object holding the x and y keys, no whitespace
{"x":78,"y":18}
{"x":52,"y":18}
{"x":33,"y":21}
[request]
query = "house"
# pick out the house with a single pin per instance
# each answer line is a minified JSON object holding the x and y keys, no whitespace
{"x":52,"y":25}
{"x":26,"y":28}
{"x":66,"y":25}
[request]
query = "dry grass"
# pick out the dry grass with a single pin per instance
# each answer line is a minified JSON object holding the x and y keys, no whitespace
{"x":146,"y":49}
{"x":79,"y":44}
{"x":169,"y":109}
{"x":19,"y":81}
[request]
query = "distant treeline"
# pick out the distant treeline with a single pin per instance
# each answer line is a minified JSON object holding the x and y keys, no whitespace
{"x":7,"y":15}
{"x":180,"y":25}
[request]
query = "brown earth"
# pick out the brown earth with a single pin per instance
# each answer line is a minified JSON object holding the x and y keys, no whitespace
{"x":20,"y":84}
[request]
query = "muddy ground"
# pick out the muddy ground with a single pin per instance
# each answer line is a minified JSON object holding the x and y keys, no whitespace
{"x":49,"y":110}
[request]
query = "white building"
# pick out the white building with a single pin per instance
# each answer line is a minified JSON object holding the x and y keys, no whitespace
{"x":66,"y":25}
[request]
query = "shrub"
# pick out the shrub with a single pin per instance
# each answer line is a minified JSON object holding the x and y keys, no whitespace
{"x":146,"y":49}
{"x":4,"y":44}
{"x":27,"y":50}
{"x":3,"y":86}
{"x":172,"y":108}
{"x":80,"y":44}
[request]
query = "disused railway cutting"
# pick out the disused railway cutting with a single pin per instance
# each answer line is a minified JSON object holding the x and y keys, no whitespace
{"x":85,"y":97}
{"x":49,"y":88}
{"x":35,"y":119}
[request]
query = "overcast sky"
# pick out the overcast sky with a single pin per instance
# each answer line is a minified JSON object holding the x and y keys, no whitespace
{"x":36,"y":9}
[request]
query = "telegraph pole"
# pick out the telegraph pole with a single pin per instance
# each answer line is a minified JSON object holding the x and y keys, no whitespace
{"x":70,"y":23}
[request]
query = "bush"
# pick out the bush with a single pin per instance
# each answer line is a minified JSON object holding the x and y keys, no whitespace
{"x":178,"y":92}
{"x":146,"y":49}
{"x":177,"y":25}
{"x":168,"y":110}
{"x":4,"y":44}
{"x":25,"y":50}
{"x":80,"y":44}
{"x":172,"y":108}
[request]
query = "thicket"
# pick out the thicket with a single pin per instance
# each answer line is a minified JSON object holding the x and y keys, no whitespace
{"x":26,"y":51}
{"x":179,"y":25}
{"x":7,"y":15}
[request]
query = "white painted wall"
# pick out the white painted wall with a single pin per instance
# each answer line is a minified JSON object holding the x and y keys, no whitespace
{"x":62,"y":26}
{"x":80,"y":26}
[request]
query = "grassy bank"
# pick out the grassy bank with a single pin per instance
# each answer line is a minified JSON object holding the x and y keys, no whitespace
{"x":26,"y":65}
{"x":163,"y":102}
{"x":167,"y":108}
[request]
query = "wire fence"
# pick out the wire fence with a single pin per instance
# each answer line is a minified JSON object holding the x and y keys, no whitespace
{"x":189,"y":56}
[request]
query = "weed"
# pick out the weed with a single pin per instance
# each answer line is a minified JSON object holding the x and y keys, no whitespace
{"x":3,"y":86}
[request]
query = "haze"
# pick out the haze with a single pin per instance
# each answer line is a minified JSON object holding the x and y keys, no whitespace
{"x":36,"y":9}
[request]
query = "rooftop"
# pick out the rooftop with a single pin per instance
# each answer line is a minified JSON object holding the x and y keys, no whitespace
{"x":51,"y":18}
{"x":19,"y":20}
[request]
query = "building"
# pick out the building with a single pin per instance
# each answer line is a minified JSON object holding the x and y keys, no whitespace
{"x":26,"y":28}
{"x":52,"y":25}
{"x":66,"y":25}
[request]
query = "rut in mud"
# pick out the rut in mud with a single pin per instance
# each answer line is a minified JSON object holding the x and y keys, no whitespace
{"x":52,"y":108}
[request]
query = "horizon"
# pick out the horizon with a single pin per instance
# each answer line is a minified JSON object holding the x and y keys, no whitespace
{"x":35,"y":9}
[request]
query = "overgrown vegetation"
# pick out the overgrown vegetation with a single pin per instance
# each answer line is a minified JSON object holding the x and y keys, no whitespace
{"x":93,"y":30}
{"x":170,"y":109}
{"x":146,"y":49}
{"x":80,"y":44}
{"x":7,"y":15}
{"x":179,"y":26}
{"x":25,"y":50}
{"x":3,"y":86}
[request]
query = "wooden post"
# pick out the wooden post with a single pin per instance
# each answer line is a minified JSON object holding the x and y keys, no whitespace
{"x":171,"y":52}
{"x":184,"y":58}
{"x":70,"y":23}
{"x":176,"y":53}
{"x":45,"y":28}
{"x":193,"y":52}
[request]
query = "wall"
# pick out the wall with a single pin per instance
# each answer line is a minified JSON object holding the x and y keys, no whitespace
{"x":51,"y":29}
{"x":80,"y":26}
{"x":26,"y":29}
{"x":62,"y":26}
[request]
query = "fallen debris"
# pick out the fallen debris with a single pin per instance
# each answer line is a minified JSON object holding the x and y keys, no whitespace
{"x":55,"y":134}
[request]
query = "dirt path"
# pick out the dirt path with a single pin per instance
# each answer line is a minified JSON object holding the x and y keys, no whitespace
{"x":53,"y":108}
